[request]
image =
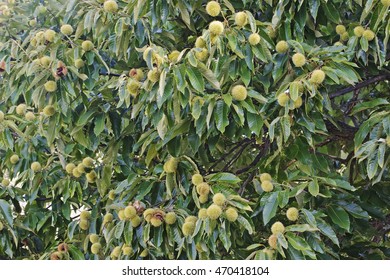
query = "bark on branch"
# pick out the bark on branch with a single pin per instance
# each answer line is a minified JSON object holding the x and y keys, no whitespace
{"x":360,"y":85}
{"x":263,"y":151}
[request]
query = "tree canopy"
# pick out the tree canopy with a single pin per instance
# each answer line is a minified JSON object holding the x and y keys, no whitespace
{"x":194,"y":129}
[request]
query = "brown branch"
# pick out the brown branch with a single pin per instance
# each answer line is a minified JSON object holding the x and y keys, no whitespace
{"x":247,"y":181}
{"x":329,"y":156}
{"x":340,"y":130}
{"x":324,"y":143}
{"x":109,"y":74}
{"x":223,"y":157}
{"x":252,"y":164}
{"x":351,"y":104}
{"x":263,"y":150}
{"x":360,"y":85}
{"x":235,"y":156}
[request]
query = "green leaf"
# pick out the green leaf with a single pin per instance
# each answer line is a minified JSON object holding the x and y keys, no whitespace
{"x":331,"y":73}
{"x":185,"y":15}
{"x":170,"y":184}
{"x":162,"y":127}
{"x":75,"y":253}
{"x":43,"y":220}
{"x":297,"y":242}
{"x":337,"y":183}
{"x":294,"y":91}
{"x":366,"y":127}
{"x":240,"y":205}
{"x":239,"y":113}
{"x":162,"y":83}
{"x":339,"y":216}
{"x":283,"y":197}
{"x":85,"y":117}
{"x":80,"y":137}
{"x":301,"y":228}
{"x":249,"y":57}
{"x":315,"y":243}
{"x":286,"y":127}
{"x":295,"y":254}
{"x":221,"y":116}
{"x":346,"y":73}
{"x":364,"y":44}
{"x":223,"y":177}
{"x":209,"y":75}
{"x":105,"y":182}
{"x":128,"y":233}
{"x":50,"y":133}
{"x":144,"y":190}
{"x":253,"y":246}
{"x":158,"y":236}
{"x":327,"y":230}
{"x":41,"y":76}
{"x":180,"y":128}
{"x":119,"y":229}
{"x":270,"y":207}
{"x":99,"y":124}
{"x":331,"y":12}
{"x":304,"y":121}
{"x":195,"y":78}
{"x":228,"y":99}
{"x":354,"y":209}
{"x":256,"y":95}
{"x":195,"y":197}
{"x":225,"y":237}
{"x":71,"y":228}
{"x":232,"y":41}
{"x":372,"y":164}
{"x":6,"y":212}
{"x":381,"y":154}
{"x":314,"y":188}
{"x":314,"y":6}
{"x":255,"y":122}
{"x":146,"y":232}
{"x":259,"y":53}
{"x":282,"y":240}
{"x":102,"y":60}
{"x":196,"y":109}
{"x":244,"y":222}
{"x":179,"y":74}
{"x":271,"y":130}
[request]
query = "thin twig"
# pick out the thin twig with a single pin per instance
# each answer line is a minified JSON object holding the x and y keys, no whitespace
{"x":247,"y":181}
{"x":327,"y":141}
{"x":329,"y":156}
{"x":235,"y":156}
{"x":109,"y":74}
{"x":351,"y":104}
{"x":263,"y":150}
{"x":223,"y":157}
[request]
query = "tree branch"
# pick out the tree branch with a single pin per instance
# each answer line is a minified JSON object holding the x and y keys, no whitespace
{"x":263,"y":150}
{"x":330,"y":156}
{"x":247,"y":181}
{"x":351,"y":103}
{"x":109,"y":74}
{"x":223,"y":157}
{"x":235,"y":156}
{"x":360,"y":85}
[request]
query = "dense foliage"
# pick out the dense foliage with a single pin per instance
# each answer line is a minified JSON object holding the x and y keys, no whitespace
{"x":279,"y":108}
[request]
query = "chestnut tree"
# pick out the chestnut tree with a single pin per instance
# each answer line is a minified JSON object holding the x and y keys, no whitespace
{"x":134,"y":129}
